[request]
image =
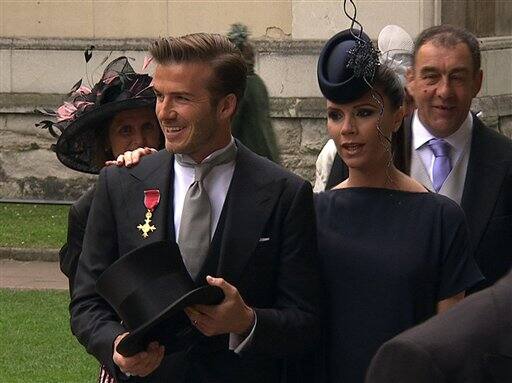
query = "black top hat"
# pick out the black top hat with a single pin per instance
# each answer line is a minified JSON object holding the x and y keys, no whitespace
{"x":79,"y":146}
{"x":148,"y":287}
{"x":346,"y":66}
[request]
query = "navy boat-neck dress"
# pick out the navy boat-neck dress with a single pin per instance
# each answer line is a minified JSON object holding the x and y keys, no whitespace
{"x":387,"y":258}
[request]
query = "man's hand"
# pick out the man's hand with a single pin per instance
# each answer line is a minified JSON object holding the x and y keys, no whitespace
{"x":141,"y":364}
{"x":232,"y":315}
{"x":131,"y":158}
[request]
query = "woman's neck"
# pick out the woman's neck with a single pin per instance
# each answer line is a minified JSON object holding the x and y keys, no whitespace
{"x":385,"y":178}
{"x":380,"y":177}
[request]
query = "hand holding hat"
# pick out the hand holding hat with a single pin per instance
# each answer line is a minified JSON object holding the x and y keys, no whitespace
{"x":148,"y":288}
{"x":142,"y":363}
{"x":232,"y":315}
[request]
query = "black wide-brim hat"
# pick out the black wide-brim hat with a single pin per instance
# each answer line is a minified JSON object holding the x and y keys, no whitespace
{"x":80,"y":145}
{"x":338,"y":79}
{"x":148,"y":288}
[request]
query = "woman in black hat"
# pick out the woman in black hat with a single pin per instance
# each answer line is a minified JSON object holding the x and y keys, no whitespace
{"x":96,"y":126}
{"x":392,"y":253}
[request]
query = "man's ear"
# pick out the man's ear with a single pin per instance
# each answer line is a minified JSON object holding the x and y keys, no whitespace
{"x":226,"y":107}
{"x":477,"y":82}
{"x":398,"y":117}
{"x":409,"y":77}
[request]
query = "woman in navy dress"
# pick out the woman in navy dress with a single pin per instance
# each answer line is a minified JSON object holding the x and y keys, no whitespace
{"x":393,"y":254}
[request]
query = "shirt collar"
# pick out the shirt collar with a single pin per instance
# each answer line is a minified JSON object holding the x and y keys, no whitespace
{"x":211,"y":155}
{"x":458,"y":139}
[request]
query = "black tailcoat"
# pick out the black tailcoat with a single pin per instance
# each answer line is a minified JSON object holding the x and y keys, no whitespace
{"x":267,"y":250}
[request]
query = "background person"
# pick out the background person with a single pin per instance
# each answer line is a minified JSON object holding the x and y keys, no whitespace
{"x":259,"y":229}
{"x":444,"y":79}
{"x":392,"y":253}
{"x":97,"y":125}
{"x":251,"y":124}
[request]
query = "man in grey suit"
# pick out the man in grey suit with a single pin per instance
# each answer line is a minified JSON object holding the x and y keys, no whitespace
{"x":450,"y":151}
{"x":471,"y":343}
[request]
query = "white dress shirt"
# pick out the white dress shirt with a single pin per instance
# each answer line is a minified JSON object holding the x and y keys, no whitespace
{"x":216,"y":184}
{"x":459,"y":142}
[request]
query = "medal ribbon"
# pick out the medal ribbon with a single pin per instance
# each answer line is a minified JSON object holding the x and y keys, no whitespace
{"x":151,"y":198}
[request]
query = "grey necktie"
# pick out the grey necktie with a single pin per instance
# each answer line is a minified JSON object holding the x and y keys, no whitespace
{"x":195,"y":226}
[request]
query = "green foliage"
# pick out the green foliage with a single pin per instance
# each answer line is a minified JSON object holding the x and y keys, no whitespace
{"x":36,"y":344}
{"x":33,"y":226}
{"x":238,"y":34}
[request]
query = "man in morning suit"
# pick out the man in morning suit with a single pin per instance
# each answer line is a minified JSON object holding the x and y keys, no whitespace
{"x":259,"y":217}
{"x":471,"y":343}
{"x":450,"y":151}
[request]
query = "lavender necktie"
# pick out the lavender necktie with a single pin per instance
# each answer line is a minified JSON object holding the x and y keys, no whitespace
{"x":442,"y":163}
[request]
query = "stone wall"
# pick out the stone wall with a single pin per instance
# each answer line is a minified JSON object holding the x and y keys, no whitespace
{"x":38,"y":72}
{"x":29,"y":170}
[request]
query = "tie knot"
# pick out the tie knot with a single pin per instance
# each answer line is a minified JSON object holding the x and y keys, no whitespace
{"x":202,"y":169}
{"x":439,"y":147}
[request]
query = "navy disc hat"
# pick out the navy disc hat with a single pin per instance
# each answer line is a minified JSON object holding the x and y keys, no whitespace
{"x":346,"y":66}
{"x":148,"y":288}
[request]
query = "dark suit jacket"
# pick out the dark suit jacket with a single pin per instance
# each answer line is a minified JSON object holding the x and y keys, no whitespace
{"x":277,"y":277}
{"x":486,"y":198}
{"x":77,"y":221}
{"x":470,"y":343}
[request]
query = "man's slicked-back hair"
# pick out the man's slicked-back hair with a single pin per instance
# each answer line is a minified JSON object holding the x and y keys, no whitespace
{"x":448,"y":36}
{"x":228,"y":65}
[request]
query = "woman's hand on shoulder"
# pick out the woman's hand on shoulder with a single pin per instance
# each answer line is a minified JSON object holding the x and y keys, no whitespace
{"x":131,"y":157}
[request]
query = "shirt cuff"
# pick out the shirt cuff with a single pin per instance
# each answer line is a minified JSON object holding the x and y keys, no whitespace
{"x":237,"y":343}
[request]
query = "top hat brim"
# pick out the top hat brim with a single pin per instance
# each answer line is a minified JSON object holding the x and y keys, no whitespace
{"x":89,"y":121}
{"x":138,"y":339}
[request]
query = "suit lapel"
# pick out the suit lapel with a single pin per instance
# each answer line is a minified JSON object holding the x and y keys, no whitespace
{"x":250,"y":202}
{"x":154,"y":172}
{"x":402,"y":142}
{"x":484,"y":173}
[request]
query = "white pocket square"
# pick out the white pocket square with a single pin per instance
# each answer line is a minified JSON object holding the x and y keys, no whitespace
{"x":264,"y":239}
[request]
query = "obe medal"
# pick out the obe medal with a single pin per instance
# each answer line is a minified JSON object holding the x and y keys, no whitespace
{"x":151,"y":200}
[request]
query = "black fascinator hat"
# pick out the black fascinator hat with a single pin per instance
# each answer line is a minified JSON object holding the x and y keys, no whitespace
{"x":148,"y":288}
{"x":84,"y":113}
{"x":347,"y":64}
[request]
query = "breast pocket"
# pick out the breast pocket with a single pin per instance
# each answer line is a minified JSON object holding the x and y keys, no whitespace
{"x":261,"y":273}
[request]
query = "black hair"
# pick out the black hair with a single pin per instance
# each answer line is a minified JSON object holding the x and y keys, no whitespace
{"x":387,"y":82}
{"x":448,"y":36}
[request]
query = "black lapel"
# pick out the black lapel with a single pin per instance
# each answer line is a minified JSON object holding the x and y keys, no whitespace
{"x":338,"y":174}
{"x":484,"y":176}
{"x":251,"y":198}
{"x":402,"y":146}
{"x":153,"y":172}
